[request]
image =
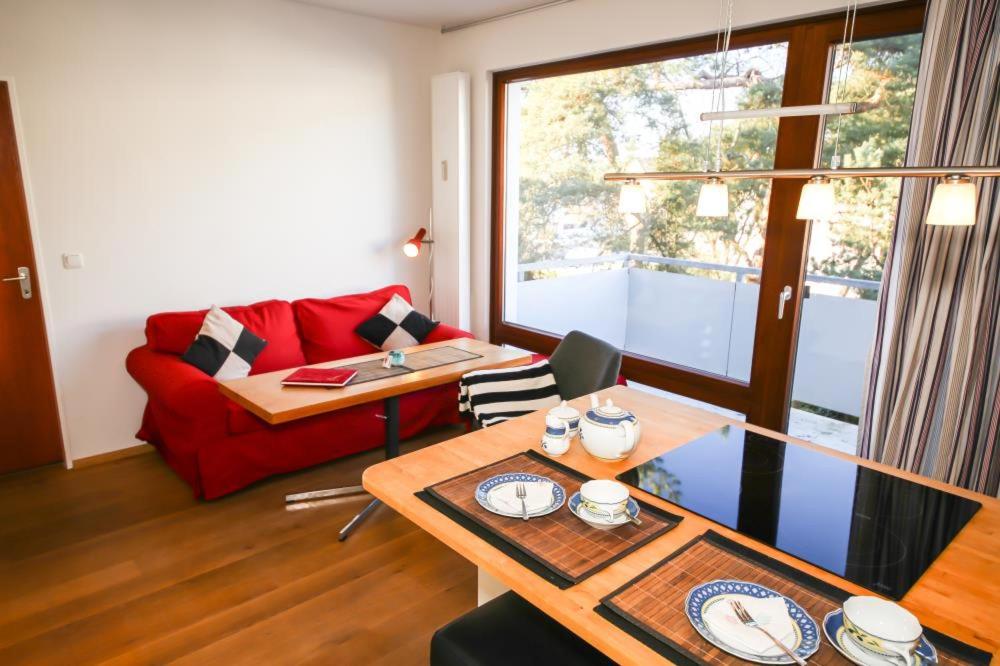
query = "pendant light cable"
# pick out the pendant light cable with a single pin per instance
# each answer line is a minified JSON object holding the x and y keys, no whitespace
{"x":846,"y":51}
{"x":722,"y":61}
{"x":715,"y":87}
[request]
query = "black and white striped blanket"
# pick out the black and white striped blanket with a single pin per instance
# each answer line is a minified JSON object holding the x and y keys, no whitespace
{"x":493,"y":396}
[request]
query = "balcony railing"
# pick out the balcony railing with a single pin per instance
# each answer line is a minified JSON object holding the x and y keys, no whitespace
{"x":701,"y":315}
{"x":631,"y":260}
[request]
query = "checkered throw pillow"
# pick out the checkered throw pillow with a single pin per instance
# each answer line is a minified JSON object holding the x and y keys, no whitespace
{"x":397,"y":325}
{"x":224,"y":348}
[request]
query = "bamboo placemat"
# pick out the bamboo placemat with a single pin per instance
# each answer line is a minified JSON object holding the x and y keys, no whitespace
{"x":651,"y":606}
{"x":369,"y":371}
{"x":432,"y":358}
{"x":559,"y":547}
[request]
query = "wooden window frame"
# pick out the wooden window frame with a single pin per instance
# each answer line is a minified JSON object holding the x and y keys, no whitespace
{"x":764,"y":399}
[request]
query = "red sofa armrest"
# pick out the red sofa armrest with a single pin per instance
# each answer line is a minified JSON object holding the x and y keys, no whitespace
{"x":444,"y":332}
{"x":177,"y":386}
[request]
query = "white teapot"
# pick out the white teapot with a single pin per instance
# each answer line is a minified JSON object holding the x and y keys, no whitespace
{"x":608,"y":431}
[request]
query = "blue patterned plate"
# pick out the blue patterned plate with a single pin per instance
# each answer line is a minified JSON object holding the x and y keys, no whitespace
{"x":720,"y":591}
{"x":833,"y":627}
{"x":484,"y":488}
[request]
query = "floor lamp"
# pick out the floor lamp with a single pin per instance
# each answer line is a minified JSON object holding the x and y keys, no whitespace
{"x":412,"y":249}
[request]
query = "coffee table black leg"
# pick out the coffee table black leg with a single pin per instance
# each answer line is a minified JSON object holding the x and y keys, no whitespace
{"x":391,"y":451}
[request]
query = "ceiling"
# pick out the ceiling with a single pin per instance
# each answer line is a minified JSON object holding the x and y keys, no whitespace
{"x":428,"y":13}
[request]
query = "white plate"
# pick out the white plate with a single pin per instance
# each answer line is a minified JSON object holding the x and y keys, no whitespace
{"x":491,"y":484}
{"x":807,"y":638}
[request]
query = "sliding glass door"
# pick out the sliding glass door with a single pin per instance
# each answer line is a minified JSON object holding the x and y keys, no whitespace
{"x":691,"y":300}
{"x":847,"y":255}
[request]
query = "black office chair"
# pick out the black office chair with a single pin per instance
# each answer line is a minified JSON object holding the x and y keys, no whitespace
{"x":581,"y":364}
{"x":584,"y":364}
{"x":508,"y":631}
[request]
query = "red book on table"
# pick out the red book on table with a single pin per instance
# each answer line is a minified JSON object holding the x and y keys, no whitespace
{"x":329,"y":377}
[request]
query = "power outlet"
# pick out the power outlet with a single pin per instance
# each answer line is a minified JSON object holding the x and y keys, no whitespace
{"x":72,"y":261}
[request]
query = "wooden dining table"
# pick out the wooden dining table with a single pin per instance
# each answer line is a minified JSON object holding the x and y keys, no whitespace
{"x":958,"y":595}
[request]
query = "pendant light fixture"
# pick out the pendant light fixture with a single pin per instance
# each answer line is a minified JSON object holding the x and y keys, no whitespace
{"x":817,"y":201}
{"x":791,"y":111}
{"x":953,"y":202}
{"x":632,"y":198}
{"x":713,"y":199}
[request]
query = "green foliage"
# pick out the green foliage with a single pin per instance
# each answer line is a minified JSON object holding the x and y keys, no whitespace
{"x":575,"y":128}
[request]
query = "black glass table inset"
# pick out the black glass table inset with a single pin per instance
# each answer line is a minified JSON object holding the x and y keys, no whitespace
{"x":872,"y":528}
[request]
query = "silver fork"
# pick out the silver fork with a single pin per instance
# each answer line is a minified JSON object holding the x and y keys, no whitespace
{"x":748,"y":620}
{"x":521,"y":492}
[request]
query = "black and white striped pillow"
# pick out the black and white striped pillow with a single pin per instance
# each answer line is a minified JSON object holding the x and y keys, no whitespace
{"x":492,"y":396}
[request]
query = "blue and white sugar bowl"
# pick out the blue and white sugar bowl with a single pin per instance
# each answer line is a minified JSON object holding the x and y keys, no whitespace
{"x":609,"y":432}
{"x":568,"y":415}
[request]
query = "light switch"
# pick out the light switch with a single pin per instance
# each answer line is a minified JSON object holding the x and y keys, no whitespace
{"x":71,"y":261}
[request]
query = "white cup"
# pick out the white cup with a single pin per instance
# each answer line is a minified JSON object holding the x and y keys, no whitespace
{"x":604,"y":497}
{"x":556,"y":439}
{"x":882,"y":627}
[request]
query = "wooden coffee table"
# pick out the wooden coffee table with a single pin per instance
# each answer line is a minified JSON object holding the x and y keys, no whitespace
{"x":433,"y":364}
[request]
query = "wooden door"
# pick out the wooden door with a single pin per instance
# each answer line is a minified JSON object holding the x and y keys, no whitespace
{"x":29,"y":417}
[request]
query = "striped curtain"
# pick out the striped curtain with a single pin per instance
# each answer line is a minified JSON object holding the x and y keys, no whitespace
{"x":933,"y":403}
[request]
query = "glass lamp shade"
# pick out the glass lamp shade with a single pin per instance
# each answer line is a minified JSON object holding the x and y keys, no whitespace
{"x":817,"y":200}
{"x":713,"y":199}
{"x":953,"y":203}
{"x":632,"y":198}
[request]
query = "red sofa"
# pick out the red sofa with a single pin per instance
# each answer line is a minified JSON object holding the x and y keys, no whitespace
{"x":219,"y":447}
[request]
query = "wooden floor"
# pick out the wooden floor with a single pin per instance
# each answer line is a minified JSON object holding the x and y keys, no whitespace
{"x":117,"y":563}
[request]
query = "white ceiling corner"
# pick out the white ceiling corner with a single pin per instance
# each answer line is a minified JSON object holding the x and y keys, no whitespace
{"x":428,"y":13}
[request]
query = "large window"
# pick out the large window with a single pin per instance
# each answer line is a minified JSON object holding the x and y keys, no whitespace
{"x":690,"y":298}
{"x":670,"y":285}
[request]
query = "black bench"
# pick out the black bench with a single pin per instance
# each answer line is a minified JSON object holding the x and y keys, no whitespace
{"x":508,"y":631}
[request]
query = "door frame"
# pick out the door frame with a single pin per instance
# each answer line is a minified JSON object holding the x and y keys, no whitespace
{"x":40,"y":283}
{"x":786,"y":239}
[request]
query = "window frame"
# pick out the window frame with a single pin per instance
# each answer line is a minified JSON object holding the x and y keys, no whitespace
{"x":798,"y":143}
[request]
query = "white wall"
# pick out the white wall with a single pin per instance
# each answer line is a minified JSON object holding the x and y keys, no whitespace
{"x":200,"y":151}
{"x":577,"y":28}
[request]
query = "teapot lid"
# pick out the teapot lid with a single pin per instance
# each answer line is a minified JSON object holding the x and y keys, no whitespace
{"x":610,"y":413}
{"x":563,"y":410}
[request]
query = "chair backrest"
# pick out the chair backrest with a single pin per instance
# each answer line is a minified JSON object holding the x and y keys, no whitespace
{"x":583,"y":364}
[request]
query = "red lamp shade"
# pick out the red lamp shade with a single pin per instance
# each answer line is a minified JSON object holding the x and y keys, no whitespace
{"x":412,"y":246}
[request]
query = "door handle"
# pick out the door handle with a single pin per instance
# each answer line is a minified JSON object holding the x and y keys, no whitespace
{"x":784,"y":297}
{"x":24,"y":277}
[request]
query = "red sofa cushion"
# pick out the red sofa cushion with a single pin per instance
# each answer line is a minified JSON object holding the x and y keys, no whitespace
{"x":173,"y":332}
{"x":327,"y":324}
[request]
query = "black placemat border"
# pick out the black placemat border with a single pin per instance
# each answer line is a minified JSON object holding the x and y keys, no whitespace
{"x":528,"y":560}
{"x":491,"y":537}
{"x":674,"y":652}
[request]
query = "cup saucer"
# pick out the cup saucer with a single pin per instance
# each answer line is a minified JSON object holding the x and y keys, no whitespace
{"x":833,"y":627}
{"x":575,"y":504}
